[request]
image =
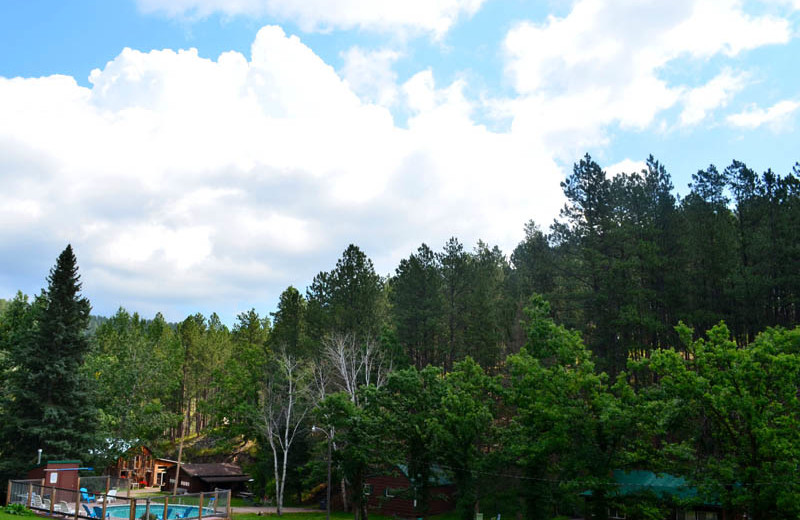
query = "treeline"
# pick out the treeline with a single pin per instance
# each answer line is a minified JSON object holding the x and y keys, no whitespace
{"x":449,"y":362}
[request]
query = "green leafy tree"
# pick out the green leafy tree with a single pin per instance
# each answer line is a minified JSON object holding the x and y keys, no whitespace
{"x":418,"y":307}
{"x":569,"y":425}
{"x":49,"y":401}
{"x":464,"y":431}
{"x":360,"y":441}
{"x":347,"y":300}
{"x":290,"y":327}
{"x":456,"y":281}
{"x":743,"y":411}
{"x":124,"y":363}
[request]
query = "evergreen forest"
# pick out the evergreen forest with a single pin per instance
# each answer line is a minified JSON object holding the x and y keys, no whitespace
{"x":638,"y":331}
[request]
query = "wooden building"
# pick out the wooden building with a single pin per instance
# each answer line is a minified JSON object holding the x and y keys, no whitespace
{"x":141,"y":467}
{"x":61,"y":474}
{"x":195,"y":478}
{"x":392,"y":493}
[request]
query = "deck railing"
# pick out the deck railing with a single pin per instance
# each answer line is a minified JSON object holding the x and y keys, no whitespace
{"x":72,"y":503}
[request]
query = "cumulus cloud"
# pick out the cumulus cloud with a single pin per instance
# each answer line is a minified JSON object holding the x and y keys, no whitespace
{"x":193,"y":182}
{"x":699,"y":101}
{"x":429,"y":16}
{"x":370,"y":74}
{"x":603,"y":64}
{"x":776,"y":117}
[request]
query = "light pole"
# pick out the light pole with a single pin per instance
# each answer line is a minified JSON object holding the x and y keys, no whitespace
{"x":329,"y":435}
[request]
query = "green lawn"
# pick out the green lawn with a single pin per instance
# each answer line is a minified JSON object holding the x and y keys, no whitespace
{"x":307,"y":516}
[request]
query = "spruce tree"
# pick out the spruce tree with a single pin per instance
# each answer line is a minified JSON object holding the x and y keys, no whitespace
{"x":48,"y":403}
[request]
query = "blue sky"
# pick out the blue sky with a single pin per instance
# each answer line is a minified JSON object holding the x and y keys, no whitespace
{"x":202,"y":155}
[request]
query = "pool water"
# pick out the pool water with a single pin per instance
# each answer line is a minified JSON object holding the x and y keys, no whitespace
{"x":174,"y":511}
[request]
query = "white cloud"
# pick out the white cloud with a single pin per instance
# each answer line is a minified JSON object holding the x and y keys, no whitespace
{"x":714,"y":94}
{"x":777,"y":117}
{"x":603,"y":64}
{"x":429,"y":16}
{"x":216,"y":182}
{"x":370,"y":74}
{"x":625,"y":166}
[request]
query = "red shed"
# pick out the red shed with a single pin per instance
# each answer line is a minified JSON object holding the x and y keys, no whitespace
{"x":61,"y":474}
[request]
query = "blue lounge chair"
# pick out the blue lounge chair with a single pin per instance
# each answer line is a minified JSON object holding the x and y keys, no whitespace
{"x":90,"y":512}
{"x":86,"y":496}
{"x":98,"y":512}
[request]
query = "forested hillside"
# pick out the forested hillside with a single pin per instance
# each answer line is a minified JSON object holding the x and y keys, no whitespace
{"x":528,"y":375}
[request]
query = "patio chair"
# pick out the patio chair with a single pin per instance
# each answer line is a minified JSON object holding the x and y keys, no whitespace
{"x":110,"y":497}
{"x":39,"y":503}
{"x":90,"y":512}
{"x":86,"y":496}
{"x":63,"y":507}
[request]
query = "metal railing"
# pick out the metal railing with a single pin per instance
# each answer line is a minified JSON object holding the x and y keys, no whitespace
{"x":73,"y":503}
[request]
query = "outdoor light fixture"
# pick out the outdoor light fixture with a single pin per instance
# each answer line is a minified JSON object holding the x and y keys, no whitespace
{"x":329,"y":435}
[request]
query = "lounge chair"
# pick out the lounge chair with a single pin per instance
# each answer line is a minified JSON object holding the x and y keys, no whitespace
{"x":86,"y":496}
{"x":63,"y":507}
{"x":90,"y":512}
{"x":38,"y":502}
{"x":110,"y":497}
{"x":98,"y":512}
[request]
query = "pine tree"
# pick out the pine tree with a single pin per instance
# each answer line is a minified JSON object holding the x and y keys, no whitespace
{"x":48,"y":404}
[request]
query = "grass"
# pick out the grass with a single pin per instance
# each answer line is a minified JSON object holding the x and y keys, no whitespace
{"x":335,"y":515}
{"x":14,"y":516}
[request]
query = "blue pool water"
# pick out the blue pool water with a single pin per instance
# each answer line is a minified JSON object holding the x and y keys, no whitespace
{"x":174,"y":511}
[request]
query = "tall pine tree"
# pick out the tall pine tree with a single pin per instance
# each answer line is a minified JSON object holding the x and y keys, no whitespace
{"x":48,"y":404}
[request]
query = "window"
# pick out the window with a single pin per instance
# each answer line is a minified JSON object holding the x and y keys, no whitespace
{"x":616,"y":513}
{"x":392,"y":492}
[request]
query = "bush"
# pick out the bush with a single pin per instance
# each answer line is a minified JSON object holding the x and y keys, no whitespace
{"x":18,"y":509}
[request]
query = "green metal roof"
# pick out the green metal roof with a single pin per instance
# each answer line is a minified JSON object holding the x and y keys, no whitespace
{"x":662,"y":485}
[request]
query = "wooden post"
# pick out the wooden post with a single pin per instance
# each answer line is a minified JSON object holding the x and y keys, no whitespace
{"x":105,"y":503}
{"x":180,"y":454}
{"x":216,"y":499}
{"x":8,"y":493}
{"x":146,"y":509}
{"x":166,"y":508}
{"x":52,"y":499}
{"x":108,"y":484}
{"x":30,"y":494}
{"x":228,"y":508}
{"x":200,"y":506}
{"x":77,"y":498}
{"x":132,"y":512}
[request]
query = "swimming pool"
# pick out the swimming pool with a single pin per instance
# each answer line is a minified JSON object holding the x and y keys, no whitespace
{"x":174,"y":511}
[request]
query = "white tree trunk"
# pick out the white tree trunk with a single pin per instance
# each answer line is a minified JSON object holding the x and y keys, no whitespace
{"x":282,"y":420}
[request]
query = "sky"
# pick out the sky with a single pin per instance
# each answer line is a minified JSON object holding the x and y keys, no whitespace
{"x":203,"y":155}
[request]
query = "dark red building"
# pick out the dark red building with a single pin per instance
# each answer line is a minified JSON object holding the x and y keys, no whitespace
{"x":195,"y":478}
{"x":392,"y":493}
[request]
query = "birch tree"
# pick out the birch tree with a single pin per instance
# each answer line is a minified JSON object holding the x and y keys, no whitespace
{"x":284,"y":405}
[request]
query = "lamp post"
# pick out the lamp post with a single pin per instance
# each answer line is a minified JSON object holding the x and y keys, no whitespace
{"x":329,"y":435}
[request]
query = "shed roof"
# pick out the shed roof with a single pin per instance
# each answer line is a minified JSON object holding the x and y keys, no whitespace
{"x":213,"y":470}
